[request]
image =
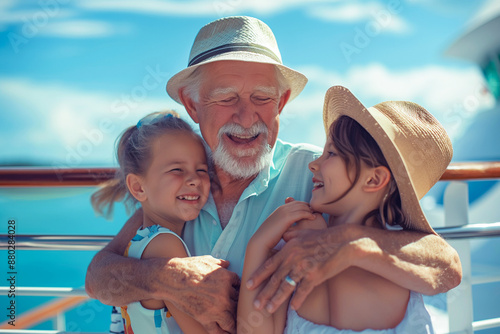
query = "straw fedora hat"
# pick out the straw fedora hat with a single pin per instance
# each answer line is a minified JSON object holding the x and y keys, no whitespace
{"x":415,"y":145}
{"x":240,"y":38}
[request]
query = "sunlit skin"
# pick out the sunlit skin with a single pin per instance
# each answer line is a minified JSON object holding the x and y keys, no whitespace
{"x":336,"y":301}
{"x":238,"y":94}
{"x":332,"y":179}
{"x":176,"y":185}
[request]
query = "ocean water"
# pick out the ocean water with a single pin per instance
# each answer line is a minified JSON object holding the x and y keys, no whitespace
{"x":63,"y":211}
{"x":59,"y":211}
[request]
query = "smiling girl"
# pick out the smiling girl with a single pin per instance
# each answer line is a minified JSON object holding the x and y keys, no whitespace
{"x":376,"y":165}
{"x":163,"y":166}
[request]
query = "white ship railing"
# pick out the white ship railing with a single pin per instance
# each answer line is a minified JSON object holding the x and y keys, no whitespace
{"x":456,"y":230}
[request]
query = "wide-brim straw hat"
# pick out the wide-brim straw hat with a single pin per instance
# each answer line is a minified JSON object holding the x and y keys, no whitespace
{"x":415,"y":145}
{"x":240,"y":38}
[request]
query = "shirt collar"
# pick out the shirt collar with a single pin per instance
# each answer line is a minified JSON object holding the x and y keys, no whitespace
{"x":271,"y":171}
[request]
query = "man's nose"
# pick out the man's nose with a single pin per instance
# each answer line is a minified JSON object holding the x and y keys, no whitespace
{"x":245,"y":114}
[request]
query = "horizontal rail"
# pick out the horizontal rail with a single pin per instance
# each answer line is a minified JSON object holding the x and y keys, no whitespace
{"x":472,"y":171}
{"x":483,"y":279}
{"x":57,"y":242}
{"x":470,"y":231}
{"x":54,"y":177}
{"x":46,"y":291}
{"x":30,"y":331}
{"x":96,"y":242}
{"x":76,"y":177}
{"x":486,"y":324}
{"x":35,"y":331}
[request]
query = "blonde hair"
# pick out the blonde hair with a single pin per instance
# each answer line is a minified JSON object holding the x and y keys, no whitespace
{"x":133,"y":152}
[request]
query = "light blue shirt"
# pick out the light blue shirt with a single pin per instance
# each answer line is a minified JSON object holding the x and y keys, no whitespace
{"x":287,"y":176}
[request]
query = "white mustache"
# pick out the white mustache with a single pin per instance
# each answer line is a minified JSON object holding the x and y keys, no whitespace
{"x":238,"y":130}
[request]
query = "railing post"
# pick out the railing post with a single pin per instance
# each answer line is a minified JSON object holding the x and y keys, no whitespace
{"x":459,"y":299}
{"x":60,"y":321}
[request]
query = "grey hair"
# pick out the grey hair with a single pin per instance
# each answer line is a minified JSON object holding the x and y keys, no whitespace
{"x":194,"y":80}
{"x":193,"y":83}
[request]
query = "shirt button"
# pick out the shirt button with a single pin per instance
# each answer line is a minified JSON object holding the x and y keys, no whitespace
{"x":214,"y":222}
{"x":217,"y":255}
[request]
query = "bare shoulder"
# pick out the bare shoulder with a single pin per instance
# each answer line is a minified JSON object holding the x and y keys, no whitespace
{"x":360,"y":299}
{"x":165,"y":245}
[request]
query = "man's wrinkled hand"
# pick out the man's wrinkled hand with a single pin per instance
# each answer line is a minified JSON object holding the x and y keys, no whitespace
{"x":207,"y":291}
{"x":309,"y":258}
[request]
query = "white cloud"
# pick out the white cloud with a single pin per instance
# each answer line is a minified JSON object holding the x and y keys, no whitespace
{"x":67,"y":125}
{"x":448,"y":93}
{"x":454,"y":96}
{"x":80,"y":28}
{"x":339,"y":11}
{"x":63,"y":118}
{"x":52,"y":19}
{"x":385,"y":18}
{"x":198,"y":7}
{"x":154,"y":7}
{"x":5,"y":5}
{"x":32,"y":19}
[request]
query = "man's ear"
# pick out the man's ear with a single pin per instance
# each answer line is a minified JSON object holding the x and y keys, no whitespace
{"x":283,"y":100}
{"x":188,"y":103}
{"x":376,"y":179}
{"x":136,"y":188}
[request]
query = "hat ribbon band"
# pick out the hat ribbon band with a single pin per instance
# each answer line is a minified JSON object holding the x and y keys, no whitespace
{"x":233,"y":47}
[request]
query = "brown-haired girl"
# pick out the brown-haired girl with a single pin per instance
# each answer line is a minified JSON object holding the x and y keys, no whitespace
{"x":376,"y":165}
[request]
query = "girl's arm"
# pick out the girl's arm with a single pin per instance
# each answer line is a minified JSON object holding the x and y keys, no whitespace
{"x":199,"y":285}
{"x":167,"y":245}
{"x":420,"y":262}
{"x":258,"y":249}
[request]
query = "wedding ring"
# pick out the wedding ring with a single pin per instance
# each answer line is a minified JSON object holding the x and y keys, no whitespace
{"x":290,"y":281}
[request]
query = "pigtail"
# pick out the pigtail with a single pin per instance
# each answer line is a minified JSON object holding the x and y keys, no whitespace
{"x":114,"y":190}
{"x":103,"y":200}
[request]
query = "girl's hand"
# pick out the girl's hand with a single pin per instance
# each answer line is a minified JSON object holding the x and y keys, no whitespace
{"x":318,"y":223}
{"x":272,"y":229}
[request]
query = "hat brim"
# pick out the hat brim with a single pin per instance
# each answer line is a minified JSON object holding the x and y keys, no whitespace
{"x":340,"y":101}
{"x":296,"y":80}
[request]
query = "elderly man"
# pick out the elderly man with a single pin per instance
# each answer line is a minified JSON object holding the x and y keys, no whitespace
{"x":235,"y":87}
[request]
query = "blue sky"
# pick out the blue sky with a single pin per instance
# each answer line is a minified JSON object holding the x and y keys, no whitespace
{"x":75,"y":73}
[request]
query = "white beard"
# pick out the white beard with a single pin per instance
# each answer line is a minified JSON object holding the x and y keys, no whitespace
{"x":232,"y":164}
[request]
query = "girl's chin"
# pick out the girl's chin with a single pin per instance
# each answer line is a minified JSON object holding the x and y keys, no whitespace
{"x":314,"y":205}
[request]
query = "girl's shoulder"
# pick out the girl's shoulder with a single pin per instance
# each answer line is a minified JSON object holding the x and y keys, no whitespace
{"x":164,"y":243}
